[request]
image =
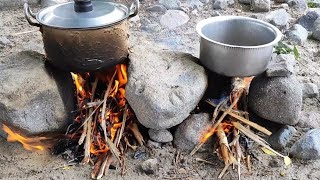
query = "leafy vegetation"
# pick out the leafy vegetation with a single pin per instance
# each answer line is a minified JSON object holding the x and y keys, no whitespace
{"x":283,"y":48}
{"x":312,"y":4}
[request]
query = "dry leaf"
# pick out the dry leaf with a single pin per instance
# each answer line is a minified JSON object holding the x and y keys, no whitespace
{"x":267,"y":151}
{"x":287,"y":160}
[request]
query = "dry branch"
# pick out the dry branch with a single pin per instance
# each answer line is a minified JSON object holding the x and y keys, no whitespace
{"x":219,"y":121}
{"x":135,"y":130}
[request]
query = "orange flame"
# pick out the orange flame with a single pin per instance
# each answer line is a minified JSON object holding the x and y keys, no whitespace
{"x":31,"y":144}
{"x":79,"y":84}
{"x":210,"y":131}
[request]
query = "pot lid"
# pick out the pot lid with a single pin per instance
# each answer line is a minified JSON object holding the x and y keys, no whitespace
{"x":65,"y":16}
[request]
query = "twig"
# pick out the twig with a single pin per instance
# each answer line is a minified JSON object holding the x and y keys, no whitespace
{"x":104,"y":165}
{"x":112,"y":147}
{"x":205,"y":161}
{"x":97,"y":166}
{"x":88,"y":140}
{"x":218,"y":122}
{"x":135,"y":130}
{"x":124,"y":120}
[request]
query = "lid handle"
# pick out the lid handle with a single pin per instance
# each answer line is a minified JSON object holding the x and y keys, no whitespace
{"x":82,"y":6}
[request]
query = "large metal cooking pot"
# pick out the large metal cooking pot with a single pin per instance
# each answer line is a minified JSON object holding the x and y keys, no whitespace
{"x":84,"y":36}
{"x":236,"y":46}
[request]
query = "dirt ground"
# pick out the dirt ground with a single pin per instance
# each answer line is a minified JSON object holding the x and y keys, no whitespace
{"x":17,"y":163}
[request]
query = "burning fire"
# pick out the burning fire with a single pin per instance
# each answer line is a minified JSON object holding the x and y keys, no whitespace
{"x":31,"y":144}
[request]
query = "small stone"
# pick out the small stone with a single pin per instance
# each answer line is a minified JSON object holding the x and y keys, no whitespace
{"x":281,"y":65}
{"x":280,"y":139}
{"x":260,"y":5}
{"x":194,"y":4}
{"x":308,"y":147}
{"x":151,"y":28}
{"x":156,"y":8}
{"x":247,"y":2}
{"x":153,"y":144}
{"x":285,"y":6}
{"x":300,"y":5}
{"x":162,"y":136}
{"x":308,"y":20}
{"x":310,"y":90}
{"x":171,"y":4}
{"x":316,"y":29}
{"x":277,"y":99}
{"x":150,"y":166}
{"x":220,"y":4}
{"x":47,"y":3}
{"x":297,"y":34}
{"x":309,"y":119}
{"x":4,"y":41}
{"x":188,"y":134}
{"x":173,"y":19}
{"x":279,"y":18}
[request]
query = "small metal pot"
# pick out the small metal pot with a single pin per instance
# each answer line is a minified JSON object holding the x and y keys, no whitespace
{"x":236,"y":46}
{"x":83,"y":36}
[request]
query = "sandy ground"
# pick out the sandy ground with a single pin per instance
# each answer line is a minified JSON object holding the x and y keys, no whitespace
{"x":17,"y":163}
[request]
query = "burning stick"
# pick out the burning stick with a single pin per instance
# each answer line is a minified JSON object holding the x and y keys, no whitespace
{"x":97,"y":166}
{"x":89,"y":128}
{"x":217,"y":123}
{"x":112,"y":147}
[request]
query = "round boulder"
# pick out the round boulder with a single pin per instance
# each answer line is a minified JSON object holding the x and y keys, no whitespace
{"x":278,"y":99}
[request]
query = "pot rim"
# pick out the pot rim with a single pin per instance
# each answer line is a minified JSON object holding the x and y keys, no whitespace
{"x":201,"y":24}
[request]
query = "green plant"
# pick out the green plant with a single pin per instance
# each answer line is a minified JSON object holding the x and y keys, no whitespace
{"x":312,"y":4}
{"x":283,"y":48}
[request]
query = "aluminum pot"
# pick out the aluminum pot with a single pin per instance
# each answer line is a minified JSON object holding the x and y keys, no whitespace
{"x":236,"y":46}
{"x":84,"y":36}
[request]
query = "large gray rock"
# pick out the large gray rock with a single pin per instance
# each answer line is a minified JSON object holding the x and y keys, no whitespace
{"x":279,"y":18}
{"x":316,"y":29}
{"x":308,"y":147}
{"x":260,"y":5}
{"x":299,"y":5}
{"x":35,"y":98}
{"x":310,"y":90}
{"x":280,"y":139}
{"x":297,"y":34}
{"x":15,"y":3}
{"x":171,"y":4}
{"x":163,"y":86}
{"x":281,"y":65}
{"x":278,"y":99}
{"x":308,"y":20}
{"x":189,"y":133}
{"x":162,"y":136}
{"x":173,"y":19}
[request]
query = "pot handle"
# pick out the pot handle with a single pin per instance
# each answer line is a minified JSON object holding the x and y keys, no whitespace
{"x":28,"y":14}
{"x":134,"y":8}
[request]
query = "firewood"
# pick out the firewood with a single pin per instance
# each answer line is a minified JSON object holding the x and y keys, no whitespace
{"x":219,"y":121}
{"x":124,"y":120}
{"x":224,"y":145}
{"x":110,"y":144}
{"x":97,"y":166}
{"x":105,"y":166}
{"x":135,"y":130}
